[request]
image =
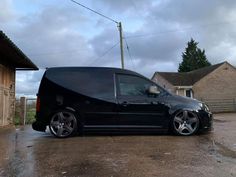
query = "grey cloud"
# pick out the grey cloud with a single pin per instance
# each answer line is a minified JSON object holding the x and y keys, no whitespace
{"x":208,"y":22}
{"x":6,"y":12}
{"x":211,"y":23}
{"x":156,"y":48}
{"x":105,"y":40}
{"x":192,"y":12}
{"x":54,"y":36}
{"x":148,"y":54}
{"x":106,"y":48}
{"x":124,"y":5}
{"x":51,"y":39}
{"x":146,"y":50}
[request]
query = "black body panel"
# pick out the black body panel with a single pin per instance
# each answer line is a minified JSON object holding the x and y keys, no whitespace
{"x":100,"y":100}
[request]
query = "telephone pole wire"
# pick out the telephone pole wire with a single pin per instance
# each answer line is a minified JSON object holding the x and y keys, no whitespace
{"x":98,"y":13}
{"x":118,"y":25}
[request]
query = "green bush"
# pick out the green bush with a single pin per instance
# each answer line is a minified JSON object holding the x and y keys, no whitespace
{"x":30,"y":115}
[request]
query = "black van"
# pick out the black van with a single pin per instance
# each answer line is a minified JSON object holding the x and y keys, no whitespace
{"x":72,"y":99}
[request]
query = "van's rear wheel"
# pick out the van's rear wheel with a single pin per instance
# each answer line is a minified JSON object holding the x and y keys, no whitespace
{"x":63,"y":124}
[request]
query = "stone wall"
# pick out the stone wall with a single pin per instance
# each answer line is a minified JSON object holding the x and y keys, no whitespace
{"x":219,"y":84}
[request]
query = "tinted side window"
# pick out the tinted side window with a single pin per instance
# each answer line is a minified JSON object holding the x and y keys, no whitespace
{"x":93,"y":83}
{"x":132,"y":85}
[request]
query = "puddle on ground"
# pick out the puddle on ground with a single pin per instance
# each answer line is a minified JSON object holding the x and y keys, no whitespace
{"x":225,"y":151}
{"x":217,"y":149}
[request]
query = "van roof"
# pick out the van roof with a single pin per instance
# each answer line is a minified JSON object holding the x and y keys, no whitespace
{"x":105,"y":69}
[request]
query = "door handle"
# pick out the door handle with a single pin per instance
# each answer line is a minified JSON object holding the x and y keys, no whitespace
{"x":154,"y":102}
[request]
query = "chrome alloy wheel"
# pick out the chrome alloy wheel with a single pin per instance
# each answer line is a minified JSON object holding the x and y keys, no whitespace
{"x":185,"y":123}
{"x":63,"y":124}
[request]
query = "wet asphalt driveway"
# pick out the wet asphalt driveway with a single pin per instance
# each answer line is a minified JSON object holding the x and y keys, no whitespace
{"x":24,"y":152}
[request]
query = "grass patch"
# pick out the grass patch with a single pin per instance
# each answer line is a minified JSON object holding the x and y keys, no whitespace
{"x":30,"y":116}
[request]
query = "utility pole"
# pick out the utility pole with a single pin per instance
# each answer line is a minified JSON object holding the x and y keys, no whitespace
{"x":121,"y":46}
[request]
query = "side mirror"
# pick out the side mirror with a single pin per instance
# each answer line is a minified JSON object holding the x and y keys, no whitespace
{"x":153,"y":90}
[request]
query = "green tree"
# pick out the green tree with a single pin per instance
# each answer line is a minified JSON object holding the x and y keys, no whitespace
{"x":193,"y":58}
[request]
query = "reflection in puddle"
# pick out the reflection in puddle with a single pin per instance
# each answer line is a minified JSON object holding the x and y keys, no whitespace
{"x":21,"y":161}
{"x":216,"y":149}
{"x":225,"y":151}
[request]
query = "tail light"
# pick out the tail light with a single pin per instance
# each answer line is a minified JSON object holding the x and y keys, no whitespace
{"x":38,"y":104}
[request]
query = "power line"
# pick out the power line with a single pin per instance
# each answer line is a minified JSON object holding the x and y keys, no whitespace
{"x":156,"y":34}
{"x":108,"y":50}
{"x":95,"y":11}
{"x":118,"y":25}
{"x":131,"y":58}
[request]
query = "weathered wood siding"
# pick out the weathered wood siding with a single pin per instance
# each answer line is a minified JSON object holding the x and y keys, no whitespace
{"x":7,"y":95}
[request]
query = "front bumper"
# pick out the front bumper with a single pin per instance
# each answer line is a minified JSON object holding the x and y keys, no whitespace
{"x":206,"y":121}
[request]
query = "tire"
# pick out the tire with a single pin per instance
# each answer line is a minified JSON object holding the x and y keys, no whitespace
{"x":63,"y":124}
{"x":185,"y":123}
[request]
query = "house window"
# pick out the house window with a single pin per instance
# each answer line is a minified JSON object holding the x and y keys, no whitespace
{"x":188,"y":93}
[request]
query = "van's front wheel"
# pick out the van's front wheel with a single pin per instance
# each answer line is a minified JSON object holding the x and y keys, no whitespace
{"x":185,"y":123}
{"x":63,"y":124}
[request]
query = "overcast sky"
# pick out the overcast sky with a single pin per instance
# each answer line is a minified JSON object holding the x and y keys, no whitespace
{"x":61,"y":33}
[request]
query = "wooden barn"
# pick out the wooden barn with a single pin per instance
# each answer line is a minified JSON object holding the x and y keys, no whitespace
{"x":11,"y":59}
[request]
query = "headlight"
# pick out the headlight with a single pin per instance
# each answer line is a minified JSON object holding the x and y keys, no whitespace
{"x":204,"y":107}
{"x":201,"y":105}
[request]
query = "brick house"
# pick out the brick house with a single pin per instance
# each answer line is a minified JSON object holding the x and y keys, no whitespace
{"x":11,"y":59}
{"x":215,"y":84}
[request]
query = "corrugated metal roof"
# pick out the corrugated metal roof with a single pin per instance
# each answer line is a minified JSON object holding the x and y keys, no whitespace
{"x":12,"y":56}
{"x":187,"y":78}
